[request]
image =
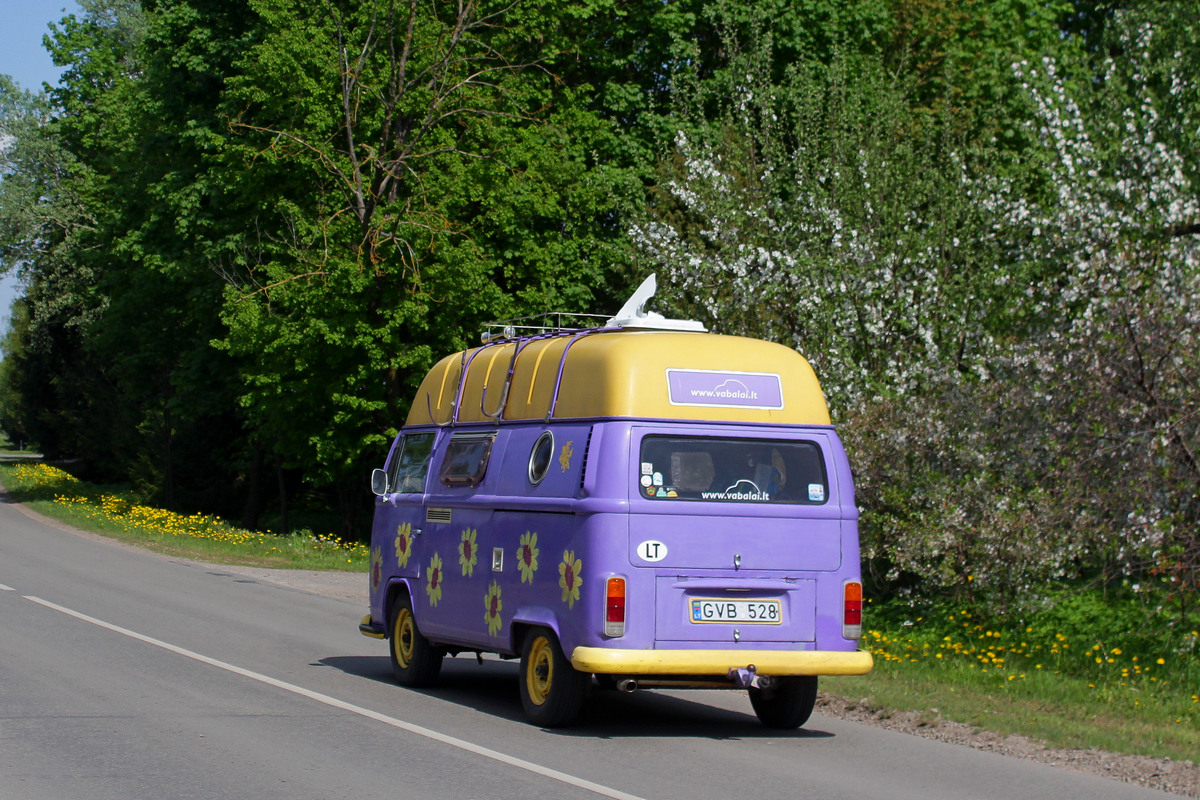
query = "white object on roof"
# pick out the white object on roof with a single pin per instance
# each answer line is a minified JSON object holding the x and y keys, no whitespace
{"x":634,"y":314}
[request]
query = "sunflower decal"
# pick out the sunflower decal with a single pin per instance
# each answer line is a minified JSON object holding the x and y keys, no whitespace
{"x":527,"y":555}
{"x":376,"y":567}
{"x":492,"y":607}
{"x":468,"y":552}
{"x":433,"y":580}
{"x":404,"y":539}
{"x":568,"y":577}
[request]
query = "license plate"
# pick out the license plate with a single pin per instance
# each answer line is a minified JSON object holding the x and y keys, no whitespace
{"x":746,"y":612}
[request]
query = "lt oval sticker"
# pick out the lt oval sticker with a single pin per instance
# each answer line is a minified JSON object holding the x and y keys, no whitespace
{"x":652,"y":550}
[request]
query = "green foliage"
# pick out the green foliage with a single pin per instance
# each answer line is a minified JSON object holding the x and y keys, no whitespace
{"x":123,"y":514}
{"x":823,"y":211}
{"x":1003,"y":320}
{"x":1071,"y":628}
{"x":414,"y":196}
{"x":1080,"y":668}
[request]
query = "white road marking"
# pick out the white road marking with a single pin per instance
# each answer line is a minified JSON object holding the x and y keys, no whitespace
{"x":4,"y":588}
{"x":333,"y":702}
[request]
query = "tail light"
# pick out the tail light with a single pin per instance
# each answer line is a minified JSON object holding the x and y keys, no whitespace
{"x":614,"y":608}
{"x":852,"y":610}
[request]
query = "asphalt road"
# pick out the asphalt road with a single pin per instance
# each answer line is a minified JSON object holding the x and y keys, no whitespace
{"x":127,"y":675}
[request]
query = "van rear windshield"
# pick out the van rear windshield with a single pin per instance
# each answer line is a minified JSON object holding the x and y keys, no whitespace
{"x":732,"y":470}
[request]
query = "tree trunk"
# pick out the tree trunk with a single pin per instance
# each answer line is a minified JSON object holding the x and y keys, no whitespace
{"x":283,"y":497}
{"x":253,"y":509}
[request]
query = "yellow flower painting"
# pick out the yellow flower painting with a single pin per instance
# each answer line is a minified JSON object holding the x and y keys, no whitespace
{"x":468,"y":552}
{"x":527,"y":556}
{"x":433,"y":580}
{"x":403,"y":544}
{"x":492,"y":607}
{"x":568,"y":577}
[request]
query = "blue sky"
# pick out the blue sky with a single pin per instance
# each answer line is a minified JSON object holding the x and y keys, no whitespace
{"x":23,"y":23}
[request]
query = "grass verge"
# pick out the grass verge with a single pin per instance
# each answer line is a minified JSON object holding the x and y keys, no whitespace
{"x":1059,"y":676}
{"x":118,"y":513}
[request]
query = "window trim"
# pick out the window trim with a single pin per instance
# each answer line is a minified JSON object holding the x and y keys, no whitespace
{"x":393,"y":470}
{"x":797,"y":501}
{"x":535,"y":480}
{"x":473,"y":479}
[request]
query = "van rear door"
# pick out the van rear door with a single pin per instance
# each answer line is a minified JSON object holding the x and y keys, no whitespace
{"x":736,"y":526}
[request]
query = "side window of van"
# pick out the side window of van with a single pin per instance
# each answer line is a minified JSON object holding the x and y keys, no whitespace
{"x":732,"y":470}
{"x":466,"y":459}
{"x":407,"y":473}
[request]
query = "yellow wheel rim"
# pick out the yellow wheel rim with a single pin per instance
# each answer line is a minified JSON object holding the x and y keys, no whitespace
{"x":403,"y":633}
{"x":539,"y":675}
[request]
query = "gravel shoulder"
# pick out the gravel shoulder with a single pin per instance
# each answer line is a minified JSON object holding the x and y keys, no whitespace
{"x":1164,"y":774}
{"x":342,"y":585}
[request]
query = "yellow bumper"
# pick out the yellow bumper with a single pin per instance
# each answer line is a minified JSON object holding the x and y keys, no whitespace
{"x":369,"y":629}
{"x":608,"y":661}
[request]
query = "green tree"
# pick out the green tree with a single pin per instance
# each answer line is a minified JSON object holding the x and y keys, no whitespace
{"x":817,"y":212}
{"x":119,"y":303}
{"x":1113,"y":380}
{"x":433,"y":175}
{"x":942,"y":273}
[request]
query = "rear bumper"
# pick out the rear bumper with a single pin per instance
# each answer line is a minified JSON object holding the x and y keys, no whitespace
{"x":606,"y":661}
{"x":369,"y":628}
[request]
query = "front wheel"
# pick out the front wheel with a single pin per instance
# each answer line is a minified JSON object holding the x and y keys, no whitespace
{"x":552,"y":691}
{"x":787,"y":703}
{"x":415,"y":662}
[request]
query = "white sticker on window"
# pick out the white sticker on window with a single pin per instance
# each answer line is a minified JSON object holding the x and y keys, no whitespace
{"x":816,"y":492}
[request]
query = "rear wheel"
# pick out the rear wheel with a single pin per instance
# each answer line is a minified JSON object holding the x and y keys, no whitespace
{"x":552,"y":691}
{"x":415,"y":662}
{"x":787,"y":703}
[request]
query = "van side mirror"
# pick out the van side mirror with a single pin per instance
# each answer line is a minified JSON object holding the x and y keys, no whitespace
{"x":379,"y":482}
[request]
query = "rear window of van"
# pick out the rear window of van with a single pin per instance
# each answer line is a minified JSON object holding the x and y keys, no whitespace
{"x":732,"y":470}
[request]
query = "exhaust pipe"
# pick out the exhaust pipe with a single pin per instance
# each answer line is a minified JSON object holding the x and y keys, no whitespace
{"x":627,"y":685}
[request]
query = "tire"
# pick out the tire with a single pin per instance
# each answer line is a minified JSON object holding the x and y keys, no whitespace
{"x":788,"y":703}
{"x":415,"y":662}
{"x":552,"y":691}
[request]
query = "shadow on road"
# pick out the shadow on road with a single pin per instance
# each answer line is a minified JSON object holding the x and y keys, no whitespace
{"x":492,"y":687}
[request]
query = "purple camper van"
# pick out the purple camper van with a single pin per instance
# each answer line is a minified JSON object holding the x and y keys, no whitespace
{"x":640,"y":501}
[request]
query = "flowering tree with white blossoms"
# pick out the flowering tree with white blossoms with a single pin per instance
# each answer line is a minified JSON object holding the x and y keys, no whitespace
{"x":1115,"y":380}
{"x":810,"y":216}
{"x":1010,"y":346}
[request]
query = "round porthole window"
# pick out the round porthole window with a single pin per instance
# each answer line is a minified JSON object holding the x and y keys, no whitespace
{"x":539,"y":459}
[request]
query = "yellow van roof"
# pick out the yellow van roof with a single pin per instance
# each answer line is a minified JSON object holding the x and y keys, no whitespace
{"x":627,"y":373}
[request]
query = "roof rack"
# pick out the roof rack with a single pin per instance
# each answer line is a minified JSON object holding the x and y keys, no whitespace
{"x":632,"y":315}
{"x":549,"y":322}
